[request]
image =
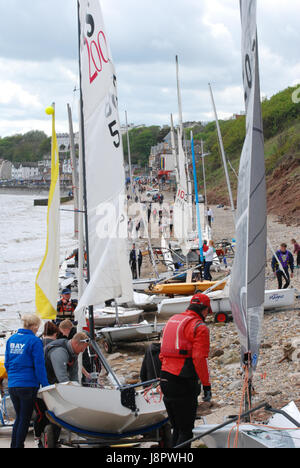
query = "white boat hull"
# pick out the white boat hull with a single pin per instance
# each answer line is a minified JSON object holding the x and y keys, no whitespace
{"x":250,"y":436}
{"x":132,"y":332}
{"x":280,"y":432}
{"x":274,"y":299}
{"x":142,"y":301}
{"x":143,"y":284}
{"x":100,"y":410}
{"x":106,"y":316}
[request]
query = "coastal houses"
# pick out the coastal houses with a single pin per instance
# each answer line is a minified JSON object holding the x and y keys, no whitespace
{"x":40,"y":171}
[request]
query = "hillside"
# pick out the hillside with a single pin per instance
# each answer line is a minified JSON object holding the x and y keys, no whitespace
{"x":31,"y":146}
{"x":281,"y":118}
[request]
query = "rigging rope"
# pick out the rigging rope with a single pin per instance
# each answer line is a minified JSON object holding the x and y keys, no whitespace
{"x":236,"y":427}
{"x":245,"y":394}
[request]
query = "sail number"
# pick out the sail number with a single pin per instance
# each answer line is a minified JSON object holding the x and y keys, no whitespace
{"x":98,"y":56}
{"x":113,"y":103}
{"x":181,"y":195}
{"x":248,"y":73}
{"x":181,"y":198}
{"x":95,"y":48}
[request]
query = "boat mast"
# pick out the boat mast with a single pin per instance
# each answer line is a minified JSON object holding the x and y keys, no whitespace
{"x":91,"y":308}
{"x":74,"y":172}
{"x":129,"y":155}
{"x":174,"y":152}
{"x":183,"y":139}
{"x":197,"y":199}
{"x":204,"y":181}
{"x":179,"y":98}
{"x":80,"y":218}
{"x":222,"y":150}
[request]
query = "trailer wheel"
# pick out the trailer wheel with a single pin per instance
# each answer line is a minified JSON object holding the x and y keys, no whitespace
{"x":221,"y":317}
{"x":108,"y":348}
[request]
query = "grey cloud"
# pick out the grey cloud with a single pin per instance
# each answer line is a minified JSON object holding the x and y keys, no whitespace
{"x":38,"y":29}
{"x":144,"y":38}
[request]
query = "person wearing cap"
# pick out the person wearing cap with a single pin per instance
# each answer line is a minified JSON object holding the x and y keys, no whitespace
{"x":184,"y":354}
{"x":66,"y":306}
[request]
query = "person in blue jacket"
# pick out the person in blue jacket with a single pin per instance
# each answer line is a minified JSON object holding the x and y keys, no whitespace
{"x":26,"y":371}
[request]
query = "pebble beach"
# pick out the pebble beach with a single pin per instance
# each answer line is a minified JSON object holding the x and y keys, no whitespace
{"x":275,"y":382}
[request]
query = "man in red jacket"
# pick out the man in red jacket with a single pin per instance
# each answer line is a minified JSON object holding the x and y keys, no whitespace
{"x":184,"y":354}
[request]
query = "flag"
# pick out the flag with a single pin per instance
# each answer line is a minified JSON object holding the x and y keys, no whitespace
{"x":46,"y":285}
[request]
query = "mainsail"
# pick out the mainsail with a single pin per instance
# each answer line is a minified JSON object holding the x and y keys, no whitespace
{"x":181,"y":205}
{"x":109,"y":272}
{"x":248,"y":274}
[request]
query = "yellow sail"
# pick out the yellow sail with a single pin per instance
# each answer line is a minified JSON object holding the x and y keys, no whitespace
{"x":3,"y":373}
{"x":46,"y":285}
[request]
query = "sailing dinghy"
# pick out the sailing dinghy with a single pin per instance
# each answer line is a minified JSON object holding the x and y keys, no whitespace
{"x":220,"y":302}
{"x":107,"y":316}
{"x":100,"y":412}
{"x":278,"y":432}
{"x":143,"y":331}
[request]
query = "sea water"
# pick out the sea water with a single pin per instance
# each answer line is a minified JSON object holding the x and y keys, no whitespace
{"x":23,"y":232}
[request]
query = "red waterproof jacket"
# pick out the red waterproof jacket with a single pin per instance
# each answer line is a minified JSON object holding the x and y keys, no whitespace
{"x":186,"y":338}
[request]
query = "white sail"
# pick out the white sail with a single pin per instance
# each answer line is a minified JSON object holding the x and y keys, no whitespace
{"x":181,"y":206}
{"x":248,"y":274}
{"x":110,"y":275}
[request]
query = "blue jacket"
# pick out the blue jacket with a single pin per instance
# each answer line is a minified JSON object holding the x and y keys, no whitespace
{"x":24,"y":360}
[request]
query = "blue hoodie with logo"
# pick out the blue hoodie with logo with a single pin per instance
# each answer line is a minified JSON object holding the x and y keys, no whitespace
{"x":24,"y":360}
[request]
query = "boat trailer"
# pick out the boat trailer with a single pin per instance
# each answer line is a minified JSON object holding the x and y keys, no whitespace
{"x":58,"y":434}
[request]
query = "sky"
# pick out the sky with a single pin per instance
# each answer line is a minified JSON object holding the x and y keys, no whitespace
{"x":39,"y":58}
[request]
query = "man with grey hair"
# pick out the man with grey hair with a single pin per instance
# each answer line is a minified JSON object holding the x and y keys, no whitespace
{"x":61,"y":358}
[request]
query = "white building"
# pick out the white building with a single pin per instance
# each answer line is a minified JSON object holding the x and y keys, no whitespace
{"x":167,"y":162}
{"x":63,"y":141}
{"x":66,"y":166}
{"x":25,"y":171}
